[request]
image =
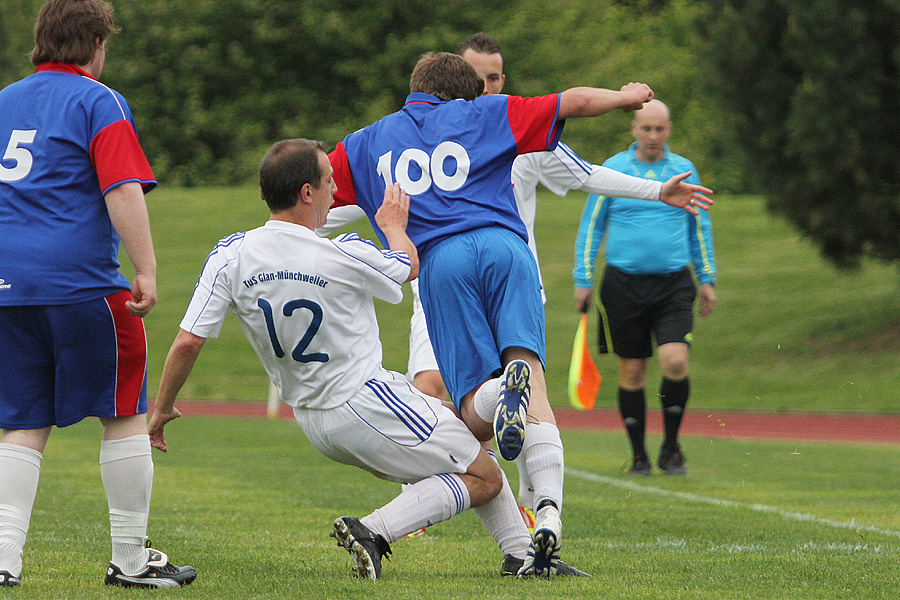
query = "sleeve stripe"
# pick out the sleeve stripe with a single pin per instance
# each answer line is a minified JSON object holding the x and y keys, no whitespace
{"x":111,"y":93}
{"x":587,"y":259}
{"x":575,"y":158}
{"x":704,"y":251}
{"x":374,"y":268}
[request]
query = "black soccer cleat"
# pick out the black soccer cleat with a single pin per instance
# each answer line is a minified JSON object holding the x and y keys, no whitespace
{"x":640,"y":467}
{"x":7,"y":579}
{"x":160,"y":573}
{"x":512,"y":565}
{"x":671,"y":460}
{"x":364,"y":545}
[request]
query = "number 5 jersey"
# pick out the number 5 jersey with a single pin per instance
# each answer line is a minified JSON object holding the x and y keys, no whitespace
{"x":66,"y":140}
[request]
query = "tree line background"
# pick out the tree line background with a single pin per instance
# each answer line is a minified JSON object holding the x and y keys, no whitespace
{"x":796,"y":99}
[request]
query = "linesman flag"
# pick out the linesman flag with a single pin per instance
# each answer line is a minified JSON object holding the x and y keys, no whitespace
{"x":584,"y":378}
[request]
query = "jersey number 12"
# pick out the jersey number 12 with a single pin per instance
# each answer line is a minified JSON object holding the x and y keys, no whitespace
{"x":289,"y":308}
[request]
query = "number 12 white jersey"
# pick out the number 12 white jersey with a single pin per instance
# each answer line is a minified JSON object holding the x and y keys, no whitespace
{"x":305,"y":304}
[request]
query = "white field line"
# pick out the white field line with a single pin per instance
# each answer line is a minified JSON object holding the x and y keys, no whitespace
{"x":793,"y":516}
{"x":687,"y":547}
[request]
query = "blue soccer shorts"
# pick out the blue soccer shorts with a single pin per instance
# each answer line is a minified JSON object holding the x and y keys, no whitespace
{"x":64,"y":363}
{"x":481,"y":294}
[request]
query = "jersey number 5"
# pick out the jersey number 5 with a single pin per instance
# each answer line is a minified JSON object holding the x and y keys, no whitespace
{"x":289,"y":308}
{"x":21,"y":156}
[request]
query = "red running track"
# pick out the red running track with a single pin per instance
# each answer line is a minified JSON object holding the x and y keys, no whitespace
{"x":842,"y":427}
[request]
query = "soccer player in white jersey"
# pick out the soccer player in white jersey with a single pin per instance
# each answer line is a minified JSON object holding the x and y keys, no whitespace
{"x":306,"y":306}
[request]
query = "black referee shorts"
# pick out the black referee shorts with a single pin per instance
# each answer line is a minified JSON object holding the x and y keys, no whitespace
{"x":640,"y":306}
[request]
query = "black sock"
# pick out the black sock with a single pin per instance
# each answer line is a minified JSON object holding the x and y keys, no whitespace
{"x":674,"y":397}
{"x":633,"y":408}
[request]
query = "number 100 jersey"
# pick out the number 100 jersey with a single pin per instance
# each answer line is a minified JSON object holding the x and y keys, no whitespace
{"x":454,"y":159}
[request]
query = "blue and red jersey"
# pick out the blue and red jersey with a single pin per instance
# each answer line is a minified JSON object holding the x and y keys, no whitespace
{"x":66,"y":140}
{"x":453,"y":158}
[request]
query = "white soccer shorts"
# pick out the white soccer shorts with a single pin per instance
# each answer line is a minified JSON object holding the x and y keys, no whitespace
{"x":392,"y":430}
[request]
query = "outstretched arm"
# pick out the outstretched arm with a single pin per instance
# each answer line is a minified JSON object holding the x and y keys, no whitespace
{"x":593,"y":102}
{"x":676,"y":192}
{"x":392,"y":217}
{"x":179,"y":363}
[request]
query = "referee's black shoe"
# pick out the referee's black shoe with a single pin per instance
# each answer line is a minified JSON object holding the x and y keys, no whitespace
{"x":671,"y":460}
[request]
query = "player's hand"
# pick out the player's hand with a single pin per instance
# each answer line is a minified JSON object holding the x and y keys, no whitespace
{"x":707,"y":299}
{"x":394,"y":210}
{"x":636,"y":95}
{"x":155,"y":428}
{"x":676,"y":192}
{"x":583,"y":299}
{"x":143,"y":295}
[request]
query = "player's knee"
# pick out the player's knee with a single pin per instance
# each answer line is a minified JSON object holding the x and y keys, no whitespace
{"x":491,"y":486}
{"x":431,"y":383}
{"x":486,"y":486}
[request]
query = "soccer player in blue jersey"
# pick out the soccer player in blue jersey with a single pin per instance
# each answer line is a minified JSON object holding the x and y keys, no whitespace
{"x":72,"y":342}
{"x":452,"y":150}
{"x":648,"y":290}
{"x":560,"y":171}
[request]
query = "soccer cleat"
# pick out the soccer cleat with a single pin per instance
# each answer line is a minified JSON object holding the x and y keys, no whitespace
{"x":512,"y":565}
{"x":640,"y":466}
{"x":364,"y":545}
{"x":160,"y":573}
{"x":671,"y":460}
{"x":512,"y":409}
{"x":528,"y":517}
{"x":542,"y":559}
{"x":7,"y":579}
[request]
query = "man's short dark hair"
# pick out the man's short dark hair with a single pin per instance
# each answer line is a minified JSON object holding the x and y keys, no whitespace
{"x":286,"y":168}
{"x":67,"y":30}
{"x":482,"y":43}
{"x":447,"y":76}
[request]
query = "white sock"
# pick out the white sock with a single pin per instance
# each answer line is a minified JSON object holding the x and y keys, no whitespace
{"x":126,"y":469}
{"x":545,"y":462}
{"x":22,"y":466}
{"x":419,"y":505}
{"x":526,"y":488}
{"x":486,"y":399}
{"x":503,"y":521}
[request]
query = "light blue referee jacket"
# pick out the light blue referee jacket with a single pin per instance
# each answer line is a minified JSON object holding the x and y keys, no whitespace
{"x":644,"y":237}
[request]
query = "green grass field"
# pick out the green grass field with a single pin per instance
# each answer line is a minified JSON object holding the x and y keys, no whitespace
{"x":789,"y":332}
{"x":249,"y":503}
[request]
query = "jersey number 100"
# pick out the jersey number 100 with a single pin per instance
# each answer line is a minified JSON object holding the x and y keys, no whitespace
{"x":432,"y":168}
